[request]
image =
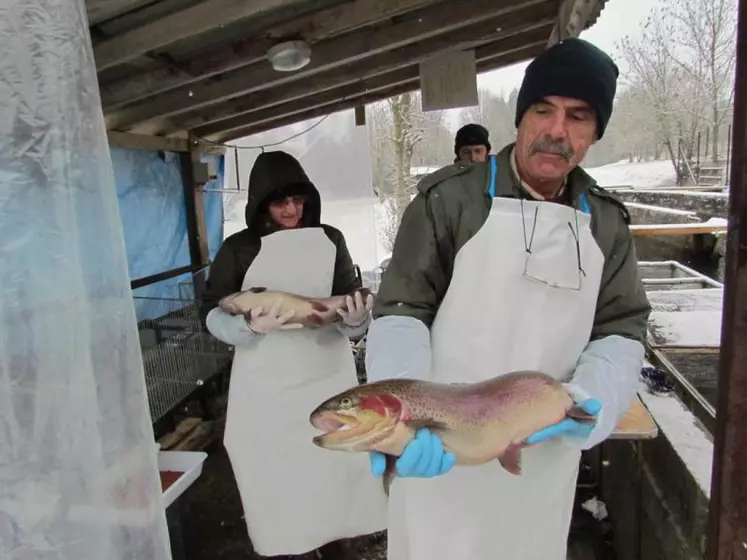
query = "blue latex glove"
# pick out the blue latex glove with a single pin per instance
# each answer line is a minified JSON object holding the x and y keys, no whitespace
{"x":569,"y":426}
{"x":424,"y":457}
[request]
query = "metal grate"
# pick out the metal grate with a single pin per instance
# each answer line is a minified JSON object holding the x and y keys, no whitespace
{"x":179,"y":354}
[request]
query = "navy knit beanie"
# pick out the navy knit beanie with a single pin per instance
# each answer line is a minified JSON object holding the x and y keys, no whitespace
{"x":471,"y":134}
{"x":571,"y":68}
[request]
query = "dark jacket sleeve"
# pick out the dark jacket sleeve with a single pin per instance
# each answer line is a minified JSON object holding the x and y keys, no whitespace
{"x":419,"y":272}
{"x":345,"y":278}
{"x":622,"y":307}
{"x":225,"y":276}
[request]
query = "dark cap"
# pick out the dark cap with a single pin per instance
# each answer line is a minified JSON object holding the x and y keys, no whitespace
{"x":571,"y":68}
{"x":471,"y":135}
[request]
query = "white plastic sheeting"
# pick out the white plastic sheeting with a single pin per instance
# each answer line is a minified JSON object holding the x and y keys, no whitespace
{"x":78,"y":467}
{"x":336,"y":156}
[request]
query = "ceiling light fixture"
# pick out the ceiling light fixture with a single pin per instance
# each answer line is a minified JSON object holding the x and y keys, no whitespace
{"x":289,"y":56}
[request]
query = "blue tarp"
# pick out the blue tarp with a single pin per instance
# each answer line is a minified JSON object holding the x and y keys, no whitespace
{"x":151,"y":203}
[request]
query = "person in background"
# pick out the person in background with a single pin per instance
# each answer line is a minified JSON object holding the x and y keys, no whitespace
{"x":297,"y":498}
{"x":518,"y":263}
{"x":471,"y":143}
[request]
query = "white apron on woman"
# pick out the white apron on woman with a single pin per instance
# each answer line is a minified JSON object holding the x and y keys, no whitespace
{"x":296,"y":496}
{"x":495,"y":319}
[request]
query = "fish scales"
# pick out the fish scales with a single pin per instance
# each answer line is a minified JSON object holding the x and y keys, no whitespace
{"x":307,"y":311}
{"x":479,"y":422}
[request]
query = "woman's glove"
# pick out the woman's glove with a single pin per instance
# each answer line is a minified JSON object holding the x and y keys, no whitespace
{"x":357,"y":313}
{"x":272,"y":320}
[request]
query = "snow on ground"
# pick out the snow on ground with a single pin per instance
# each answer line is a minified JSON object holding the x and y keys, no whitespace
{"x":361,"y":220}
{"x":688,"y":438}
{"x":642,"y":175}
{"x":674,"y":211}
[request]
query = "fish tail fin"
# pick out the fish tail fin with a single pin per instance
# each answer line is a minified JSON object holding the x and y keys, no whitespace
{"x":580,"y":415}
{"x":389,"y":473}
{"x":511,"y":458}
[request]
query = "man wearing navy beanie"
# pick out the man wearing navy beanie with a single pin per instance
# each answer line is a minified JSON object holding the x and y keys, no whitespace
{"x":572,"y":68}
{"x":538,"y":262}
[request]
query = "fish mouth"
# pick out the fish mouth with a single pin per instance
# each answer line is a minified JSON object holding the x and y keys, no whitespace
{"x":341,"y":431}
{"x":333,"y":422}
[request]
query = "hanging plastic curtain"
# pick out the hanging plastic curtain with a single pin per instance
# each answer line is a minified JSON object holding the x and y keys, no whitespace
{"x":78,"y":466}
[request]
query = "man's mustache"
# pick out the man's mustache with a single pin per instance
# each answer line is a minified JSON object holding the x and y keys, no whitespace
{"x":548,"y":145}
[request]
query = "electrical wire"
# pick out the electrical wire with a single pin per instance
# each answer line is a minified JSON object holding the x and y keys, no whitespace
{"x":263,"y":146}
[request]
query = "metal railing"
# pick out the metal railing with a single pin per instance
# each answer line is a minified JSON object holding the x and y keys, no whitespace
{"x":672,"y":275}
{"x":179,"y":354}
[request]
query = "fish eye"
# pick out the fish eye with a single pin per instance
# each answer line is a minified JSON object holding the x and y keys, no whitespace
{"x":346,"y":402}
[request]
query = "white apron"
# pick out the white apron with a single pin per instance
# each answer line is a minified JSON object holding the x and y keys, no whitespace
{"x":493,"y":320}
{"x":296,"y":496}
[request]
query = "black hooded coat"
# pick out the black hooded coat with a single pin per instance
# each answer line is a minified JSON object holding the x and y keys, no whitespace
{"x":274,"y":175}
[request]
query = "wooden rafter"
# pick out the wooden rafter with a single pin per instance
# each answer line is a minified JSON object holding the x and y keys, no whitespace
{"x":146,"y":142}
{"x":446,"y":26}
{"x":179,"y":25}
{"x":350,"y":76}
{"x":325,"y":23}
{"x":485,"y":55}
{"x":573,"y":16}
{"x":498,"y":62}
{"x":101,"y":10}
{"x":199,"y":79}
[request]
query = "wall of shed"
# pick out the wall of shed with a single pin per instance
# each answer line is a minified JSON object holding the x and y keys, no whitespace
{"x":655,"y":491}
{"x":150,"y":192}
{"x":704,"y":252}
{"x":705,"y":205}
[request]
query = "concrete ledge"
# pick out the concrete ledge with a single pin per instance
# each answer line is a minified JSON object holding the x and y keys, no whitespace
{"x":657,"y":491}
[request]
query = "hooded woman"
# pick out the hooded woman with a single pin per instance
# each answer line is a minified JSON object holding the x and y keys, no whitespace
{"x":297,"y":498}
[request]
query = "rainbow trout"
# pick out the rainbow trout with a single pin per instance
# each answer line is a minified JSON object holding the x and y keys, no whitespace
{"x":478,"y":422}
{"x":310,"y":312}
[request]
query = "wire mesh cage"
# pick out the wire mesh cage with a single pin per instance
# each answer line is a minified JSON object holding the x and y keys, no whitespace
{"x":179,"y":354}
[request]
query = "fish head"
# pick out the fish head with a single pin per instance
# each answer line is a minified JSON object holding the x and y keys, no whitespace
{"x":359,"y":419}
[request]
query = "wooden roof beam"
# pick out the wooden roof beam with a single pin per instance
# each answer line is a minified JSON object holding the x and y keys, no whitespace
{"x":322,"y":24}
{"x":434,"y":35}
{"x":179,"y":25}
{"x":102,"y":10}
{"x":573,"y":16}
{"x":366,"y":98}
{"x":146,"y":142}
{"x":484,"y":55}
{"x":348,"y":75}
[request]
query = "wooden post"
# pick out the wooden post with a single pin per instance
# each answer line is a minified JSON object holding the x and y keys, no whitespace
{"x":195,"y":213}
{"x":360,"y":115}
{"x":727,"y":528}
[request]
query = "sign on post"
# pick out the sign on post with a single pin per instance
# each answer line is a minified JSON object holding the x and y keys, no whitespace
{"x":449,"y":81}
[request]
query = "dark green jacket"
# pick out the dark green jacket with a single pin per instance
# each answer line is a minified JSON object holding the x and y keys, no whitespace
{"x":452,"y":205}
{"x":274,"y":173}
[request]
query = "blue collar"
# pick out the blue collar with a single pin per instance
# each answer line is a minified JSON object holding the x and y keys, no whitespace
{"x":583,"y":201}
